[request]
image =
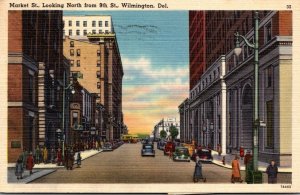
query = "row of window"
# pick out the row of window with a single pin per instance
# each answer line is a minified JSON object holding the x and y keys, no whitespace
{"x":77,"y":52}
{"x":78,"y":63}
{"x":85,"y":32}
{"x":85,"y":23}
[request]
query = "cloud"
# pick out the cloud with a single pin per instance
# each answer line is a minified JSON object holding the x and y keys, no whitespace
{"x":151,"y":93}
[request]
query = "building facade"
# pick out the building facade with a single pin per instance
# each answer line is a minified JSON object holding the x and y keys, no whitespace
{"x":221,"y":104}
{"x":97,"y":59}
{"x":165,"y":125}
{"x":36,"y":69}
{"x":81,"y":26}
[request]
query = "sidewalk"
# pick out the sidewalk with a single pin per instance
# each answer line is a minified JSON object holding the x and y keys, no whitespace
{"x":229,"y":157}
{"x":42,"y":169}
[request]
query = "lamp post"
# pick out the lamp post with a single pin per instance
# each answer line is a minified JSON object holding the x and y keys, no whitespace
{"x":211,"y":129}
{"x":256,"y":175}
{"x":70,"y":86}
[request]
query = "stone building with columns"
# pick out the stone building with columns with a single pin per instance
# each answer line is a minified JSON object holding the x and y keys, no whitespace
{"x":221,"y":104}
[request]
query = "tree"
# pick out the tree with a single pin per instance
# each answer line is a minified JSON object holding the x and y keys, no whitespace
{"x":163,"y":134}
{"x":173,"y":132}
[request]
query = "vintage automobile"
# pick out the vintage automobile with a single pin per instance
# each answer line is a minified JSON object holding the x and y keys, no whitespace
{"x":181,"y":154}
{"x":107,"y":147}
{"x":148,"y":150}
{"x":204,"y":155}
{"x":190,"y":147}
{"x":169,"y":147}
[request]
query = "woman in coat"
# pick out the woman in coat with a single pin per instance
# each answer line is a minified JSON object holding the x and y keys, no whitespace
{"x":59,"y":157}
{"x":198,"y":170}
{"x":45,"y":155}
{"x":272,"y":171}
{"x":236,"y":172}
{"x":19,"y":169}
{"x":30,"y":163}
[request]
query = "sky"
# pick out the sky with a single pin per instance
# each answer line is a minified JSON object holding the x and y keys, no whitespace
{"x":154,"y":53}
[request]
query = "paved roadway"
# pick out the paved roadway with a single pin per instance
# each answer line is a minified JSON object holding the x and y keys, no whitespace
{"x":125,"y":165}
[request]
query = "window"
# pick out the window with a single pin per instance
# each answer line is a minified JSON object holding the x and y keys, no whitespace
{"x":98,"y":74}
{"x":31,"y":88}
{"x":84,"y":32}
{"x":98,"y":63}
{"x":270,"y":121}
{"x":100,"y":23}
{"x":72,"y":62}
{"x":106,"y":31}
{"x":269,"y":76}
{"x":94,"y":24}
{"x":77,"y":23}
{"x":98,"y":53}
{"x":106,"y":23}
{"x":100,"y":31}
{"x":98,"y":85}
{"x":77,"y":32}
{"x":71,"y":52}
{"x":71,"y":43}
{"x":75,"y":118}
{"x":70,"y":32}
{"x":94,"y":31}
{"x":70,"y":22}
{"x":268,"y":32}
{"x":78,"y":52}
{"x":78,"y":63}
{"x":84,"y":23}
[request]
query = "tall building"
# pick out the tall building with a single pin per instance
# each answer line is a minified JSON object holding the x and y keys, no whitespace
{"x":96,"y":57}
{"x":36,"y":69}
{"x":197,"y":44}
{"x":165,"y":125}
{"x":211,"y":36}
{"x":211,"y":112}
{"x":81,"y":26}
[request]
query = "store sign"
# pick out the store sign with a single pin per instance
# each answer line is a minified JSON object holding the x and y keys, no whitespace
{"x":16,"y":144}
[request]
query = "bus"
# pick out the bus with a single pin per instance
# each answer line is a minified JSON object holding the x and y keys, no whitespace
{"x":130,"y":138}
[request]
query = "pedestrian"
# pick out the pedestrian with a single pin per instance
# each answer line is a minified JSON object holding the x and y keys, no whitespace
{"x":97,"y":145}
{"x":198,"y":170}
{"x":23,"y":156}
{"x":19,"y":169}
{"x":272,"y":171}
{"x":59,"y":157}
{"x":247,"y":158}
{"x":37,"y":155}
{"x":78,"y":159}
{"x":45,"y":155}
{"x":52,"y":155}
{"x":236,"y":172}
{"x":30,"y":163}
{"x":248,"y":166}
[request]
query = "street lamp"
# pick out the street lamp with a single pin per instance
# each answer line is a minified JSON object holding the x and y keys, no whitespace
{"x":256,"y":175}
{"x":69,"y":87}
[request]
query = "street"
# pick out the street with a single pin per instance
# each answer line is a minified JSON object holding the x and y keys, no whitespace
{"x":125,"y":165}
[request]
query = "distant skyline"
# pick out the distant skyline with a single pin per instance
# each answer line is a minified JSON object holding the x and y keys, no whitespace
{"x":154,"y":52}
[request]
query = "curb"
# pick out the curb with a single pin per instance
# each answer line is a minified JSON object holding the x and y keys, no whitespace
{"x":243,"y":168}
{"x":52,"y":171}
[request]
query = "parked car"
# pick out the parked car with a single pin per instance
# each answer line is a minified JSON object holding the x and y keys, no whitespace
{"x":169,"y":147}
{"x":107,"y":147}
{"x":148,"y":150}
{"x":181,"y":154}
{"x":190,"y":147}
{"x":204,"y":155}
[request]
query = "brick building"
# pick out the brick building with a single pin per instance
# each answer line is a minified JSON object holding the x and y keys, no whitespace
{"x":95,"y":55}
{"x":35,"y":70}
